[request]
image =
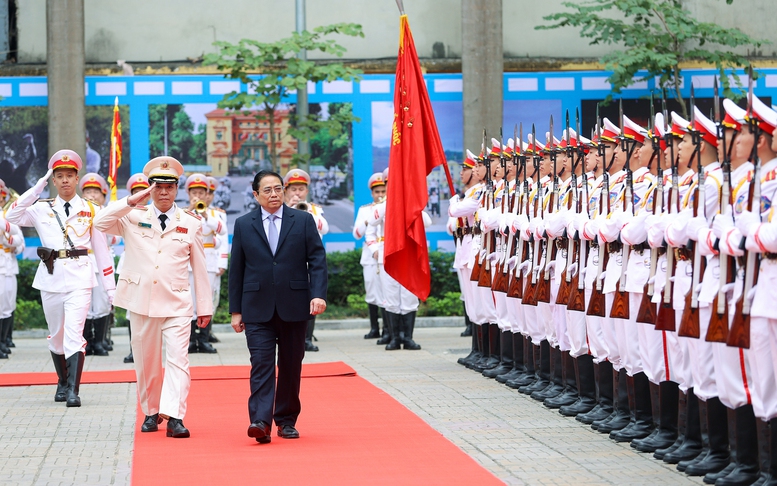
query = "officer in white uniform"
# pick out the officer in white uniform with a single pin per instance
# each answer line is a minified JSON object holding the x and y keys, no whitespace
{"x":11,"y":245}
{"x":64,"y":225}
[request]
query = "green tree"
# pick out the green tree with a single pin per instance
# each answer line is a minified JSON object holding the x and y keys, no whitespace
{"x":656,"y":36}
{"x":182,"y":141}
{"x":281,"y":71}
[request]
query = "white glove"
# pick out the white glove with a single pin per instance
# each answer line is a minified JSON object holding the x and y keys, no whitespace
{"x":512,"y":261}
{"x":656,"y":233}
{"x":572,"y":269}
{"x":523,"y":266}
{"x":728,"y":289}
{"x":601,"y":277}
{"x":694,"y":225}
{"x":526,"y":230}
{"x":111,"y":293}
{"x":751,"y":294}
{"x":748,"y":222}
{"x":549,"y":267}
{"x":493,"y":257}
{"x":42,"y":182}
{"x":518,"y":222}
{"x":722,"y":223}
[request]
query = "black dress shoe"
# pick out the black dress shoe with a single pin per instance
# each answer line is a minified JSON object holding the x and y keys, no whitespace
{"x":287,"y":432}
{"x":309,"y":346}
{"x":260,"y":431}
{"x":151,"y":424}
{"x":374,"y":333}
{"x":176,"y":429}
{"x":129,"y":358}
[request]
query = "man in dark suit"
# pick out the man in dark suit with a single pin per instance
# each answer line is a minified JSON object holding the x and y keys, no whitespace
{"x":277,"y":281}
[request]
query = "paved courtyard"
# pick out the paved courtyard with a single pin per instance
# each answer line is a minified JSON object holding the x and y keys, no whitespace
{"x":513,"y":436}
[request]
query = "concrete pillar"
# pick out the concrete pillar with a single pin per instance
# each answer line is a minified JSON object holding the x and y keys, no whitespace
{"x":65,"y":69}
{"x":482,"y":66}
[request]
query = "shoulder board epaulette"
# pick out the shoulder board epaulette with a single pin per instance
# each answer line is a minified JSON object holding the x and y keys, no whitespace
{"x":49,"y":199}
{"x":769,"y":176}
{"x":141,"y":208}
{"x":193,"y":214}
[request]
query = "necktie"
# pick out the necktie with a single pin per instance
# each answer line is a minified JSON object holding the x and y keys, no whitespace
{"x":162,"y":219}
{"x":272,"y":233}
{"x":67,"y":209}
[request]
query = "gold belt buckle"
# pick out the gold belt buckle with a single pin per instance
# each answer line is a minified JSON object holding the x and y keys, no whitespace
{"x":61,"y":253}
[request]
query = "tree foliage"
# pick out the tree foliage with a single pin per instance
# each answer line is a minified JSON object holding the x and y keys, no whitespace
{"x":280,"y":72}
{"x":183,"y":142}
{"x":656,"y":36}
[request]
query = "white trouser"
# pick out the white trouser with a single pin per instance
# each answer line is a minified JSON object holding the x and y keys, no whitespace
{"x":517,"y":318}
{"x":396,"y":298}
{"x":65,"y":315}
{"x":466,"y":292}
{"x":534,"y":326}
{"x":653,"y":352}
{"x":502,"y":311}
{"x":372,"y":291}
{"x":608,"y":333}
{"x":762,"y":366}
{"x":701,"y":358}
{"x":162,"y":390}
{"x":593,"y":327}
{"x":629,"y":337}
{"x":7,"y":296}
{"x":680,"y":363}
{"x":576,"y":333}
{"x":484,"y":298}
{"x":559,"y":318}
{"x":100,"y":305}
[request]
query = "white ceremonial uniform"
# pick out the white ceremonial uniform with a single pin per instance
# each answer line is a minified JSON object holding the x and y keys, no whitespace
{"x":11,"y":245}
{"x":466,"y":209}
{"x":370,"y":269}
{"x":66,"y":294}
{"x":214,"y":238}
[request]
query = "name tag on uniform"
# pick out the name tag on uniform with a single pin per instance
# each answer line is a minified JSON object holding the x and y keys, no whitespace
{"x":179,"y":229}
{"x":144,"y":225}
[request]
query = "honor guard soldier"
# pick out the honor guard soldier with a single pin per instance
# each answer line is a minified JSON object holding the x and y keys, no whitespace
{"x":373,"y":293}
{"x":94,"y":188}
{"x":162,"y":241}
{"x":221,"y":249}
{"x":296,"y":185}
{"x":213,"y":234}
{"x":11,"y":245}
{"x":66,"y":275}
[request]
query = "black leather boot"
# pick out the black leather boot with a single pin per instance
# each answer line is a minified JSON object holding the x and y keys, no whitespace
{"x":718,"y":455}
{"x":386,"y":336}
{"x":663,"y":399}
{"x":772,"y":479}
{"x":467,"y":323}
{"x":9,"y":332}
{"x":542,"y":369}
{"x":586,"y":387}
{"x":569,"y":394}
{"x":516,"y":344}
{"x":732,"y":447}
{"x":642,"y":425}
{"x":309,"y":346}
{"x":75,"y":365}
{"x":203,"y":340}
{"x":692,"y":442}
{"x":374,"y":324}
{"x":682,"y":422}
{"x":193,"y":339}
{"x":491,"y":356}
{"x":395,"y":321}
{"x":764,"y":458}
{"x":604,"y":390}
{"x":88,"y":337}
{"x":5,"y":327}
{"x":475,"y":354}
{"x":482,"y":336}
{"x":505,"y":358}
{"x":621,"y":418}
{"x":61,"y":368}
{"x":98,"y":345}
{"x":129,"y":358}
{"x":108,"y":325}
{"x":408,"y":321}
{"x":747,"y":468}
{"x":556,"y":385}
{"x":530,"y":371}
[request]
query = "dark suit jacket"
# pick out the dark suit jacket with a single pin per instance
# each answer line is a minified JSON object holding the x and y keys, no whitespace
{"x":260,"y":283}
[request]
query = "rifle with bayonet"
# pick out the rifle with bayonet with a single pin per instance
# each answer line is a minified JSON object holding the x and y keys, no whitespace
{"x":543,"y":286}
{"x":665,"y":320}
{"x":515,"y":289}
{"x":576,"y":300}
{"x":717,"y":331}
{"x":477,"y":268}
{"x":620,"y":303}
{"x":597,"y":302}
{"x":500,"y":272}
{"x":689,"y":323}
{"x":530,"y":291}
{"x":739,"y":335}
{"x":647,"y":309}
{"x":562,"y":298}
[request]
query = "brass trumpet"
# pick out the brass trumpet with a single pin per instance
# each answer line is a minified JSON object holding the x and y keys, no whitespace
{"x":12,"y":196}
{"x":200,"y":207}
{"x":302,"y":206}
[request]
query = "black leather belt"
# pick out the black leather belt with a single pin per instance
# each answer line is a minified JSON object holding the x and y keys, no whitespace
{"x":662,"y":251}
{"x":614,"y":247}
{"x":593,"y":244}
{"x":640,"y":248}
{"x":69,"y":253}
{"x":770,"y":256}
{"x":682,"y":254}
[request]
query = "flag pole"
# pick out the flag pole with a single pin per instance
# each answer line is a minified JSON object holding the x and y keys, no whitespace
{"x":401,"y":7}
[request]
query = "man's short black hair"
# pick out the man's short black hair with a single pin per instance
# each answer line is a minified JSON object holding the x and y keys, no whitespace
{"x":261,"y":175}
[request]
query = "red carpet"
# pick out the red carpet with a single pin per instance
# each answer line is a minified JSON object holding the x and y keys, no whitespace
{"x":351,"y":433}
{"x":198,"y":373}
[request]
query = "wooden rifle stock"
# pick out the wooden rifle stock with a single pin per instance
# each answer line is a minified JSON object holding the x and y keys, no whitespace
{"x":576,"y":300}
{"x":515,"y":288}
{"x":500,"y":279}
{"x":689,"y":324}
{"x":718,"y":329}
{"x":647,"y":309}
{"x":665,"y":320}
{"x":474,"y":276}
{"x":620,"y":305}
{"x":739,"y":335}
{"x":597,"y":303}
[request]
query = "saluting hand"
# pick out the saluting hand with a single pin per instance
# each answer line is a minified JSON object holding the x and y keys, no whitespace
{"x":141,"y":197}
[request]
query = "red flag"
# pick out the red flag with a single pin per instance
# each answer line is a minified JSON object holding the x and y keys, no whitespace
{"x":416,"y":149}
{"x":115,"y":162}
